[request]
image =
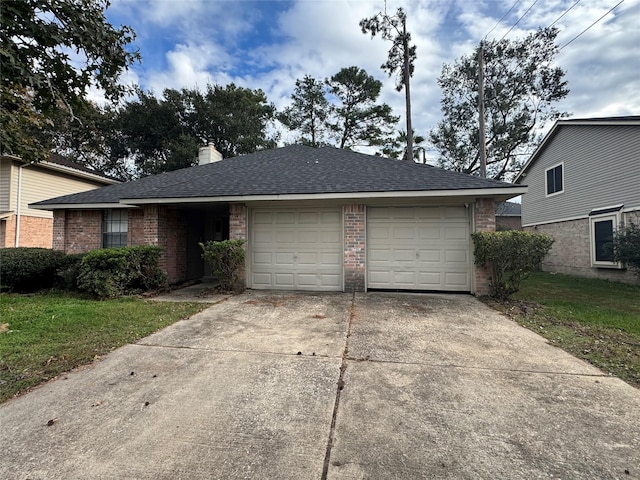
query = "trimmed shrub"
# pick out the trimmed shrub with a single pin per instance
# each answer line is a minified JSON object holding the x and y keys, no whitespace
{"x":226,"y":259}
{"x":66,"y":277}
{"x":26,"y":269}
{"x":626,"y":247}
{"x":511,"y":255}
{"x":113,"y":272}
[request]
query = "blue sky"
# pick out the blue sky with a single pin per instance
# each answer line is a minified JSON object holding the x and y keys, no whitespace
{"x":270,"y":44}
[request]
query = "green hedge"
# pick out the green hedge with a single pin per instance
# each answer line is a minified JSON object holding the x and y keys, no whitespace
{"x":511,"y":255}
{"x":626,"y":247}
{"x":226,"y":259}
{"x":26,"y":269}
{"x":112,"y":272}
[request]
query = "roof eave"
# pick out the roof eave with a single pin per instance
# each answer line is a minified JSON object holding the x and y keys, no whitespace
{"x":499,"y":194}
{"x":80,"y":206}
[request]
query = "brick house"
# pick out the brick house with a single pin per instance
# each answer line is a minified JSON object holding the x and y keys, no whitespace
{"x":313,"y":219}
{"x":584,"y":182}
{"x":508,"y":216}
{"x":22,"y":183}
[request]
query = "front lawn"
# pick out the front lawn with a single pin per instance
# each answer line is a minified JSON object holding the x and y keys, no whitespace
{"x":44,"y":335}
{"x":596,"y":320}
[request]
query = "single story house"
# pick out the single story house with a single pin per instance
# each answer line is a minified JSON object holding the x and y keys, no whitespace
{"x":22,"y":183}
{"x":312,"y":218}
{"x":584,"y":183}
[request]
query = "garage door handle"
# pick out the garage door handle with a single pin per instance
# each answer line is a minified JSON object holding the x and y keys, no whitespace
{"x":417,"y":254}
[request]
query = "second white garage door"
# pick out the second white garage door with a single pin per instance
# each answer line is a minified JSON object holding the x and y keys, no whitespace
{"x":296,"y":249}
{"x":418,"y":248}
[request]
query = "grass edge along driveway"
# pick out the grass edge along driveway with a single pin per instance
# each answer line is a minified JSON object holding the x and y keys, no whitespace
{"x":595,"y":320}
{"x":43,"y":335}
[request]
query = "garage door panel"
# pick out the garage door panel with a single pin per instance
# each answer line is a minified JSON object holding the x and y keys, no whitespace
{"x":456,"y":233}
{"x":285,"y":218}
{"x":296,"y":248}
{"x":262,"y":258}
{"x":430,"y":233}
{"x":456,"y":256}
{"x":404,"y":255}
{"x":418,"y":248}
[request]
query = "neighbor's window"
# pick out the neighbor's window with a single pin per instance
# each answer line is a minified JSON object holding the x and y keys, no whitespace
{"x":603,"y":228}
{"x":114,"y":228}
{"x":555,"y":179}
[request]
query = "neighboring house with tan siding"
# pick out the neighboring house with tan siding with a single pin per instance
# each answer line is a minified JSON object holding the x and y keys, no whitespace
{"x":584,"y":182}
{"x":22,"y":183}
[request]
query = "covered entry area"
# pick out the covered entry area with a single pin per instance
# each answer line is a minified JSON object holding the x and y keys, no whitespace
{"x":419,"y":248}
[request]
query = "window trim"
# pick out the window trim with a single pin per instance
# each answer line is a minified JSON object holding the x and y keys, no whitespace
{"x":595,"y":217}
{"x":546,"y":185}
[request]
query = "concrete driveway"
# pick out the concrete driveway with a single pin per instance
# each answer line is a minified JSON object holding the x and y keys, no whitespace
{"x":337,"y":386}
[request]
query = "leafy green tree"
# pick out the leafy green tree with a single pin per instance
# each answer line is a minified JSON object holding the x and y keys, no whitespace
{"x":522,"y":83}
{"x":357,"y":119}
{"x":52,"y":52}
{"x":163,"y":134}
{"x":396,"y":147}
{"x":309,"y":112}
{"x":401,"y":58}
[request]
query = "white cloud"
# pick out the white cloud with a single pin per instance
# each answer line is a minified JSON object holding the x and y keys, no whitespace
{"x":318,"y":37}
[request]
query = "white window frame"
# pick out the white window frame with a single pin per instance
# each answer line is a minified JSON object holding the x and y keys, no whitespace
{"x":615,"y":218}
{"x":546,"y":186}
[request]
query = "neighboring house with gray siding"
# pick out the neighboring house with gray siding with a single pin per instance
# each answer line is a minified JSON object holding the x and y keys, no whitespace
{"x":584,"y":182}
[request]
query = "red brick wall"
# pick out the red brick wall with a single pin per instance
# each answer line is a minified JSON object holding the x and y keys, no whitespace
{"x":354,"y":248}
{"x":34,"y":232}
{"x":135,"y":227}
{"x":83,"y":230}
{"x":508,"y":223}
{"x":166,"y":228}
{"x":238,"y":231}
{"x":485,"y":221}
{"x":59,"y":224}
{"x":9,"y":232}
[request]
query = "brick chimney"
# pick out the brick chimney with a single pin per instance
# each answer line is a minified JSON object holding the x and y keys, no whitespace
{"x":208,"y":154}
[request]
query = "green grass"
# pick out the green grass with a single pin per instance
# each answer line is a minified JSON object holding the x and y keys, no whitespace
{"x":44,"y":335}
{"x":596,"y":320}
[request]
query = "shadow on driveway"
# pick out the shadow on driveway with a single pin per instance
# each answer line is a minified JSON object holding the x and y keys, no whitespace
{"x":311,"y":386}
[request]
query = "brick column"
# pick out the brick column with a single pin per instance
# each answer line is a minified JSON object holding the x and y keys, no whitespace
{"x":485,"y":221}
{"x":155,"y":232}
{"x":59,"y":228}
{"x":354,"y":247}
{"x":238,"y":231}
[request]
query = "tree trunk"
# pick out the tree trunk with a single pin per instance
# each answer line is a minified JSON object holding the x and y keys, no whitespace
{"x":407,"y":92}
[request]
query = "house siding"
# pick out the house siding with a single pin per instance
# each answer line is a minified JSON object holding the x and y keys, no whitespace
{"x":5,"y":185}
{"x":571,"y":253}
{"x":591,"y":179}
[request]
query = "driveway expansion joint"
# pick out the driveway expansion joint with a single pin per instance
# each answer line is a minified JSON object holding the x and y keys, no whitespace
{"x":467,"y":367}
{"x":234,"y":350}
{"x":340,"y":384}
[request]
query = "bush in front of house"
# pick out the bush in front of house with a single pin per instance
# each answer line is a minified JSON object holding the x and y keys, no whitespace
{"x":28,"y":269}
{"x":67,"y":272}
{"x":626,"y":247}
{"x":226,"y":259}
{"x":510,"y":255}
{"x":113,"y":272}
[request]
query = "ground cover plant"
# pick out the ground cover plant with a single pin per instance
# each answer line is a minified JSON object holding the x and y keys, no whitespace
{"x":44,"y":335}
{"x":596,"y":320}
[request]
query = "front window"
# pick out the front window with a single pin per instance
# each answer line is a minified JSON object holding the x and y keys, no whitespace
{"x":114,"y":228}
{"x":603,"y":225}
{"x":555,"y":179}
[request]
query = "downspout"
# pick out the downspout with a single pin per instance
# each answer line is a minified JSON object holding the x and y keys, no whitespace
{"x":19,"y":205}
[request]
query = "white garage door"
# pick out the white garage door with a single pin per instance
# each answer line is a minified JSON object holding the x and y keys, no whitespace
{"x":296,"y":249}
{"x":419,"y":248}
